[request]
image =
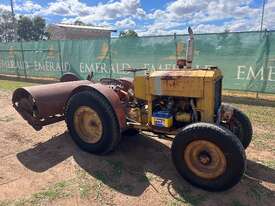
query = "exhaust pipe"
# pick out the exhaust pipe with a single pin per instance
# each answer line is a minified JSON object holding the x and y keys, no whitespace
{"x":187,"y":62}
{"x":44,"y":104}
{"x":190,"y":49}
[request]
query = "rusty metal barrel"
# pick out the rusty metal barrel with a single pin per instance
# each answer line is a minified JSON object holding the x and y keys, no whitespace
{"x":44,"y":104}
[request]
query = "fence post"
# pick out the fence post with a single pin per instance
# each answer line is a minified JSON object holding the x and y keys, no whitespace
{"x":23,"y":59}
{"x":176,"y":44}
{"x":110,"y":57}
{"x":60,"y":57}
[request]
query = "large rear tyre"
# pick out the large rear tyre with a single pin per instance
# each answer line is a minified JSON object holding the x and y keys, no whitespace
{"x":240,"y":125}
{"x":92,"y":123}
{"x":208,"y":156}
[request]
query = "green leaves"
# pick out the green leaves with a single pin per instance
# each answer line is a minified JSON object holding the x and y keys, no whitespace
{"x":32,"y":28}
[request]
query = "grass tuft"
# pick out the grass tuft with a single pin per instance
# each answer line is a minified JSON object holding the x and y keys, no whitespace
{"x":83,"y":181}
{"x":57,"y":191}
{"x":6,"y":119}
{"x":52,"y":193}
{"x":188,"y":197}
{"x":12,"y":85}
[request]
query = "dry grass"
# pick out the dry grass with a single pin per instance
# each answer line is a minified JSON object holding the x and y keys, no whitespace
{"x":46,"y":167}
{"x":12,"y":85}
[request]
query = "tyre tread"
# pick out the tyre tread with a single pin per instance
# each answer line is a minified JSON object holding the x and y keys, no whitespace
{"x":107,"y":108}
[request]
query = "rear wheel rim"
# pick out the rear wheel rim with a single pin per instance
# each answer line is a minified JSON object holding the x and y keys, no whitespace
{"x":88,"y":125}
{"x":205,"y":159}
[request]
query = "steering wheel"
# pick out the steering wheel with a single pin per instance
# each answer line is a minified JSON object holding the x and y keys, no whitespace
{"x":134,"y":69}
{"x":111,"y":81}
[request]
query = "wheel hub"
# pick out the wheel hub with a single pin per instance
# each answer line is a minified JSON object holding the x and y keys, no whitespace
{"x":88,"y":125}
{"x":205,"y":159}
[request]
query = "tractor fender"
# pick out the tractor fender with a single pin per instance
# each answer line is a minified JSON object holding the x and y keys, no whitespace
{"x":110,"y":95}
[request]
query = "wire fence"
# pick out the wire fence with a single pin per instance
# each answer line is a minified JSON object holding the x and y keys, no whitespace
{"x":247,"y":59}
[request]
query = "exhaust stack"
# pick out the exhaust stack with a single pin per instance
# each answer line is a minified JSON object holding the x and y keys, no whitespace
{"x":190,"y":49}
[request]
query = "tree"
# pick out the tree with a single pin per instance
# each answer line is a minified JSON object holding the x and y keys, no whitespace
{"x":129,"y":33}
{"x":25,"y":28}
{"x":80,"y":23}
{"x":32,"y":29}
{"x":6,"y":26}
{"x":39,"y":25}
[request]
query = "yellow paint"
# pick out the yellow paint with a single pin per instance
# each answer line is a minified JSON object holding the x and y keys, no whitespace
{"x":183,"y":117}
{"x":194,"y":83}
{"x":88,"y":124}
{"x":140,"y":87}
{"x":166,"y":122}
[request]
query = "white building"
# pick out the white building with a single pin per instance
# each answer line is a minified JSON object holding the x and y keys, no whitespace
{"x":66,"y":31}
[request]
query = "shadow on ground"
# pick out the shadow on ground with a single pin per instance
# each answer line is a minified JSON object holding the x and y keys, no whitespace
{"x":132,"y":167}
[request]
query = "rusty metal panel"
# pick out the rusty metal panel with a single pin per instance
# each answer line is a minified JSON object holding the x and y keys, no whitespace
{"x":45,"y":104}
{"x":115,"y":102}
{"x":49,"y":99}
{"x":112,"y":97}
{"x":177,"y":86}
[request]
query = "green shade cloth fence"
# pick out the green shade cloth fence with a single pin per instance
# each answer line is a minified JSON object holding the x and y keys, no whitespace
{"x":247,"y":59}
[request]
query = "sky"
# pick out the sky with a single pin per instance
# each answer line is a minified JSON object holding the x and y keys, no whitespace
{"x":153,"y":17}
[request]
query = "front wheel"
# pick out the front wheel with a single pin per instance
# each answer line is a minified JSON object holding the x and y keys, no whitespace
{"x":208,"y":156}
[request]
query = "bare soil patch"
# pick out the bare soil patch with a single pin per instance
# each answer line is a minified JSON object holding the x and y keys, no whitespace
{"x":47,"y":168}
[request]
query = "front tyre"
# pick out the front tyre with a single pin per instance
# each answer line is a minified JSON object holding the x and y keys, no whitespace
{"x":91,"y":122}
{"x":208,"y":156}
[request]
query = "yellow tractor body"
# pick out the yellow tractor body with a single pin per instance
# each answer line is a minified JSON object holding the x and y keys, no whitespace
{"x":202,"y":85}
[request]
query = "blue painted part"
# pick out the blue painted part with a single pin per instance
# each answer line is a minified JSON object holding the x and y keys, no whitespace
{"x":162,"y":114}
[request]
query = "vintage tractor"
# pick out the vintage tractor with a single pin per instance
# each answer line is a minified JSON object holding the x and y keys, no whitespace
{"x":209,"y":138}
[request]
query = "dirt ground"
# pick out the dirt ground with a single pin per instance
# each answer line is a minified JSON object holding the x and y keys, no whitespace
{"x":47,"y":168}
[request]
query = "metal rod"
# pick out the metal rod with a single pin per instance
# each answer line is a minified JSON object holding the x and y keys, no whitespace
{"x":262,"y":22}
{"x":176,"y":43}
{"x":110,"y":56}
{"x":190,"y":49}
{"x":23,"y":59}
{"x":60,"y":57}
{"x":13,"y":21}
{"x":262,"y":19}
{"x":34,"y":50}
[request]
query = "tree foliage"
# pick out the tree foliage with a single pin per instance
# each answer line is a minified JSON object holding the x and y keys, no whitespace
{"x":129,"y":33}
{"x":6,"y":26}
{"x":39,"y":28}
{"x":31,"y":29}
{"x":27,"y":29}
{"x":80,"y":23}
